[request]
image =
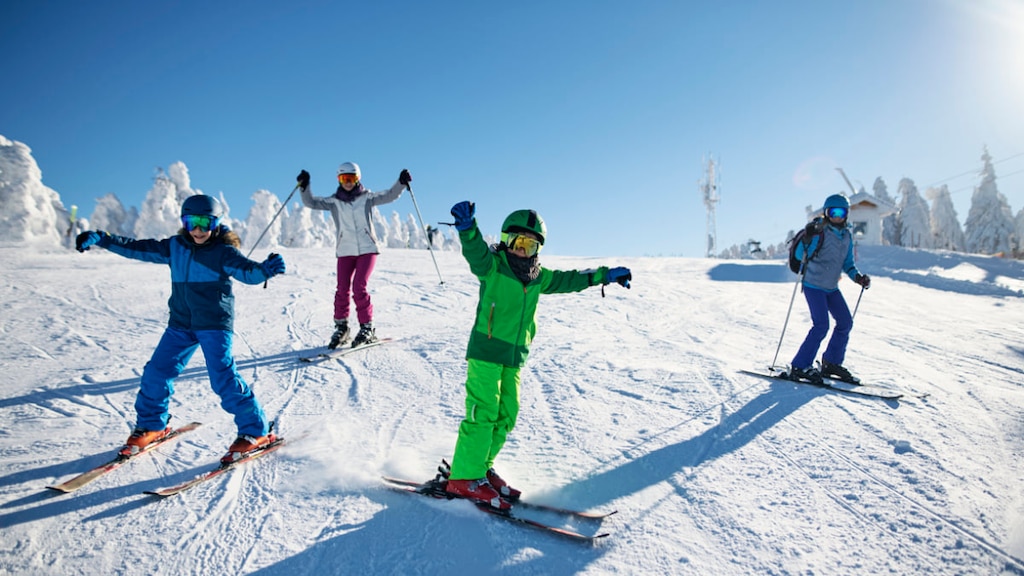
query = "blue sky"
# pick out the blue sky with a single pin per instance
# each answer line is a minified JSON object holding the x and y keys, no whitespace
{"x":597,"y":114}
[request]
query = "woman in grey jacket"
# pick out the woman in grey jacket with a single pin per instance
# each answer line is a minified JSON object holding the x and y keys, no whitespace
{"x":351,"y":207}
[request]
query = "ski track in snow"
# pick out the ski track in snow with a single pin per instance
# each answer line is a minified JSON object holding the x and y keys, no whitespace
{"x":629,"y":402}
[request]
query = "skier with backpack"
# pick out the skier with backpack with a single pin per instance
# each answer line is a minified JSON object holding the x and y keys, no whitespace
{"x":823,"y":252}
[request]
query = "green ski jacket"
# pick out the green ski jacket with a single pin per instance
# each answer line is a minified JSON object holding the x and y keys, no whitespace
{"x":507,"y":310}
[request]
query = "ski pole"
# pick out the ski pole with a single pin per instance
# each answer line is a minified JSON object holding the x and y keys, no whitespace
{"x":799,"y":279}
{"x":424,"y":227}
{"x":272,"y":220}
{"x":859,"y":296}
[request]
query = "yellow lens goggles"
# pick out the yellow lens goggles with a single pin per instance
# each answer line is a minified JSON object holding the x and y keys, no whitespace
{"x":516,"y":242}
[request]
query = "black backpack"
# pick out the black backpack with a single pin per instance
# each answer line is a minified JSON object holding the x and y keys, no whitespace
{"x":794,"y":262}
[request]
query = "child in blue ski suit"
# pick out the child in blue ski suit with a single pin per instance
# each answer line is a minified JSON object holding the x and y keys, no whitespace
{"x":203,"y":258}
{"x":830,"y":254}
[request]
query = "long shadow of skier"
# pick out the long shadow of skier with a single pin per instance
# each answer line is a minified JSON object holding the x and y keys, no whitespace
{"x":732,"y":433}
{"x":45,"y":396}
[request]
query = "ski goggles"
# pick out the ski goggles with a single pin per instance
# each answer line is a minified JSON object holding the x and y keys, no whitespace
{"x":203,"y":222}
{"x":348,"y":178}
{"x":529,"y":246}
{"x":837,"y":212}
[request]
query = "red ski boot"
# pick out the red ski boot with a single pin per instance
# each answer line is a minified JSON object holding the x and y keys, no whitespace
{"x":141,"y":438}
{"x":507,"y":492}
{"x":478,"y":491}
{"x":244,"y":444}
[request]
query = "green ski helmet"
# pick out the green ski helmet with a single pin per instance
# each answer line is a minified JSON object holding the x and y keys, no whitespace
{"x":524,"y":220}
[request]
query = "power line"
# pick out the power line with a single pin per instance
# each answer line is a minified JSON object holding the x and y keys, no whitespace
{"x":971,"y":186}
{"x":977,"y":170}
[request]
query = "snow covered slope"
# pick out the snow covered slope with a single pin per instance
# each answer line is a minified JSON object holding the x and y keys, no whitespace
{"x":630,"y":402}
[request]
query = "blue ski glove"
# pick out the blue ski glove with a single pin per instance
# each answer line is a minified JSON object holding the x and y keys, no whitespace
{"x":273,"y":265}
{"x":620,"y":275}
{"x":85,"y":240}
{"x":463,"y":213}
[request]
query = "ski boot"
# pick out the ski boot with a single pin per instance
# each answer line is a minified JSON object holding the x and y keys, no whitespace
{"x":366,"y":335}
{"x":140,"y":438}
{"x":244,"y":445}
{"x":809,"y":375}
{"x":830,"y":370}
{"x":507,"y":492}
{"x":479,"y":491}
{"x":340,"y":335}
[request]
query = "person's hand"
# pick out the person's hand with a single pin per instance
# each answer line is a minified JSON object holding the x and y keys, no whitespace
{"x":404,"y":177}
{"x":863,"y":279}
{"x":463,"y":212}
{"x":813,"y":228}
{"x":619,"y":275}
{"x":86,"y":239}
{"x":273,"y":265}
{"x":303,"y":179}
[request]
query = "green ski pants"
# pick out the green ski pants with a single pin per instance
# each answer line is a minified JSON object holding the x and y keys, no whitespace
{"x":492,"y":405}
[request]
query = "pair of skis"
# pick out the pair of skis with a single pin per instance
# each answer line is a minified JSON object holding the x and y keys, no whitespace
{"x":870,"y":390}
{"x":103,"y":469}
{"x":436,"y":488}
{"x":339,"y":352}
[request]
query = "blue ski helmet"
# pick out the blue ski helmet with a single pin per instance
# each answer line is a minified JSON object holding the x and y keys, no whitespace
{"x":836,"y":201}
{"x":201,"y":205}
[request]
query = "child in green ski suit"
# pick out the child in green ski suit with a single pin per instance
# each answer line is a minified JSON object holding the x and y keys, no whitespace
{"x":511,"y":282}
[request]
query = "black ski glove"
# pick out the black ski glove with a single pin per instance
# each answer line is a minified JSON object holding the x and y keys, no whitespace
{"x":303,"y":179}
{"x":404,"y":178}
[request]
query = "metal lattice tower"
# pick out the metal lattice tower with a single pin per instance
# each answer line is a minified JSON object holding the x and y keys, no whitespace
{"x":709,"y":189}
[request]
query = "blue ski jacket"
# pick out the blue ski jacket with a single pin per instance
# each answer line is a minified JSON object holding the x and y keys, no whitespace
{"x":201,"y":297}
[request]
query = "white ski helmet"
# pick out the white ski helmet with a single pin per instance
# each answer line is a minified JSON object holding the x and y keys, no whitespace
{"x":350,"y":168}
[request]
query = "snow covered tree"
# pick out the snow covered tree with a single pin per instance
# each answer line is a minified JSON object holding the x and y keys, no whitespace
{"x":1019,"y":252}
{"x":990,"y":227}
{"x":399,"y":235}
{"x":890,"y":224}
{"x":264,"y":206}
{"x":160,"y":215}
{"x":29,"y":211}
{"x":946,"y":231}
{"x":915,"y":222}
{"x":110,"y":215}
{"x":417,"y":238}
{"x":305,"y":228}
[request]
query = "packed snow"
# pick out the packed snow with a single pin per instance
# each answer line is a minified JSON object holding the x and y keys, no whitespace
{"x":630,"y":402}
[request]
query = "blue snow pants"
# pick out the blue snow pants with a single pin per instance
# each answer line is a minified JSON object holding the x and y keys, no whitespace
{"x":170,"y":358}
{"x":821,"y":303}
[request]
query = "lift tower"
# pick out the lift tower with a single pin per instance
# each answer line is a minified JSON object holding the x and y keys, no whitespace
{"x":709,"y":189}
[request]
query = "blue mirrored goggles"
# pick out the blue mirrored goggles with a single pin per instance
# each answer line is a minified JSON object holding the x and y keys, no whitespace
{"x":529,"y":246}
{"x":203,"y":222}
{"x":836,"y":212}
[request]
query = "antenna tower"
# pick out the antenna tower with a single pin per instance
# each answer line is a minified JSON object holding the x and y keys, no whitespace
{"x":709,"y":189}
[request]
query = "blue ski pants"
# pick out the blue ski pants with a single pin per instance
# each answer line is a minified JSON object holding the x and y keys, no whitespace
{"x":821,"y":303}
{"x":169,"y":360}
